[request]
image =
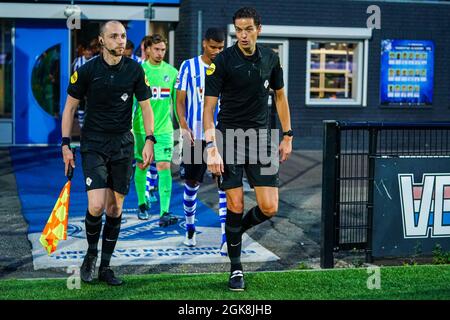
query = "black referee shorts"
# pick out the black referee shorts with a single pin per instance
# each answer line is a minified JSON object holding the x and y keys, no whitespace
{"x":246,"y":157}
{"x":107,"y":160}
{"x":193,"y":166}
{"x":233,"y":173}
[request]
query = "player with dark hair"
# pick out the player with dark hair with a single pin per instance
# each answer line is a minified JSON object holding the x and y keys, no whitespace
{"x":190,"y":97}
{"x":242,"y":75}
{"x":129,"y":51}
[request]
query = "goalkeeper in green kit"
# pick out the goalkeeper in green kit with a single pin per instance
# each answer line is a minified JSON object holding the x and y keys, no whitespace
{"x":162,"y":77}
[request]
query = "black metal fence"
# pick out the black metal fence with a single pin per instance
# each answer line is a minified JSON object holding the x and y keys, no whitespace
{"x":349,"y":153}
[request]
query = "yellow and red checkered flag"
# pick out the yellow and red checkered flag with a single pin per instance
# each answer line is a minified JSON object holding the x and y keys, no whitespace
{"x":56,"y":227}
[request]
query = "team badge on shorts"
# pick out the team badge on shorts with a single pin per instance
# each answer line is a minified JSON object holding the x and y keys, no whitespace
{"x":88,"y":181}
{"x":74,"y":77}
{"x":266,"y":84}
{"x":211,"y":69}
{"x":124,"y":97}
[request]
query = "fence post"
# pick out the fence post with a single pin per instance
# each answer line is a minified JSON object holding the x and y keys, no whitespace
{"x":330,"y":142}
{"x":373,"y":138}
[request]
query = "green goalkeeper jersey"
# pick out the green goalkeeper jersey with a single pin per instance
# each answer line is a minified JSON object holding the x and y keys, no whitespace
{"x":162,"y":80}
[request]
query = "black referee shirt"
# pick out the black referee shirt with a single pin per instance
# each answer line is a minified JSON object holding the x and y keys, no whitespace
{"x":109,"y":91}
{"x":243,"y":84}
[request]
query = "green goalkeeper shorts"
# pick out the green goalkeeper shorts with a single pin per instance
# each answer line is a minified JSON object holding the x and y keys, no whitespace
{"x":163,"y":147}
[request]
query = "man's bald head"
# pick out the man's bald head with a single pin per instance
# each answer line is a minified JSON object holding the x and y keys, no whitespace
{"x":113,"y":37}
{"x":107,"y":25}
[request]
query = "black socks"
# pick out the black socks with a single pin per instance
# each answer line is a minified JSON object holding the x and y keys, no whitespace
{"x":233,"y":233}
{"x":110,"y":236}
{"x":93,"y":228}
{"x":253,"y":217}
{"x":235,"y":226}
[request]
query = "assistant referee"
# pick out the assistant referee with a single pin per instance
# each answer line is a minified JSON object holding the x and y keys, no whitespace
{"x":109,"y":82}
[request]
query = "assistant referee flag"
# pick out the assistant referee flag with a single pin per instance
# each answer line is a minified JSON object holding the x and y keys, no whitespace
{"x":56,"y":227}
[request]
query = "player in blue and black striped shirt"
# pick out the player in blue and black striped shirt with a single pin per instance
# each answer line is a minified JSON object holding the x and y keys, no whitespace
{"x":190,"y":92}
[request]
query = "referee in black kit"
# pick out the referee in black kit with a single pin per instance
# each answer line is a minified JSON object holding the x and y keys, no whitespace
{"x":109,"y":82}
{"x":242,"y":76}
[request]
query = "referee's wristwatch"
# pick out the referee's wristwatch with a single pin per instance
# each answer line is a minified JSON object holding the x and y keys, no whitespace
{"x":288,"y":133}
{"x":151,"y":138}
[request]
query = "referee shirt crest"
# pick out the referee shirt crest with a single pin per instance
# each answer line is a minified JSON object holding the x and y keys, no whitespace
{"x":74,"y":77}
{"x":211,"y":69}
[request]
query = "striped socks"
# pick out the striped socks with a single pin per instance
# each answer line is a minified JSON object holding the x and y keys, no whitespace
{"x":222,"y":212}
{"x":152,"y":177}
{"x":147,"y":185}
{"x":80,"y":114}
{"x":190,"y":207}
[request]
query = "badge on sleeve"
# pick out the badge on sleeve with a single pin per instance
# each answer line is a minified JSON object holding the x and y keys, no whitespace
{"x":211,"y":69}
{"x":74,"y":77}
